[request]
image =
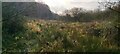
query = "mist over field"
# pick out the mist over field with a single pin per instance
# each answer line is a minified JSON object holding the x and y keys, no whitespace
{"x":61,"y":26}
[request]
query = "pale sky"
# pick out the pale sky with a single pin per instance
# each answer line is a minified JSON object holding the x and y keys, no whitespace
{"x":58,"y":6}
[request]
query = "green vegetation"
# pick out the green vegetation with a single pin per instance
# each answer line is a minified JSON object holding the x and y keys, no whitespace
{"x":78,"y":30}
{"x":57,"y":36}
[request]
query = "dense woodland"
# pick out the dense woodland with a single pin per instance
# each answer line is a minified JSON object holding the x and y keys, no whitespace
{"x":33,"y":27}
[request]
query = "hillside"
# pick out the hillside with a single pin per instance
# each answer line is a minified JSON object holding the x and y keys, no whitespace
{"x":29,"y":9}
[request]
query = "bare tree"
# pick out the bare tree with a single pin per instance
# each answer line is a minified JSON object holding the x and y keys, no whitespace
{"x":115,"y":6}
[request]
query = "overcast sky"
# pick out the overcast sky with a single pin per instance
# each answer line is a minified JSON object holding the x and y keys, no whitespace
{"x":58,"y":6}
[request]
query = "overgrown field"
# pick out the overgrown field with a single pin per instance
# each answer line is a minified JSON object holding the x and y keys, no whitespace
{"x":58,"y":36}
